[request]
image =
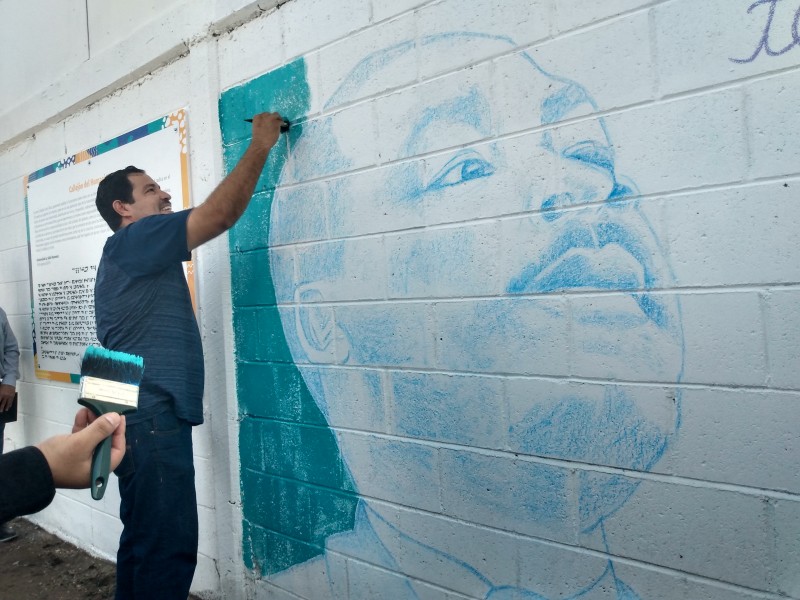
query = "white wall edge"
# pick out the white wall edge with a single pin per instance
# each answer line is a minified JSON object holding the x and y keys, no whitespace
{"x":169,"y":37}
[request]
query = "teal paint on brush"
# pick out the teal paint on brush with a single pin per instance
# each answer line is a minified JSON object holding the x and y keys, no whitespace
{"x":109,"y":383}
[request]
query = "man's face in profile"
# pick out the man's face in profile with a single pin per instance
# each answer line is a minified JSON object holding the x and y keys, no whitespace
{"x":515,"y":287}
{"x":148,"y":197}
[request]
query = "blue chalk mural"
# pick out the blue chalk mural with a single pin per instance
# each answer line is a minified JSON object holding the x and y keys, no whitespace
{"x":474,"y":318}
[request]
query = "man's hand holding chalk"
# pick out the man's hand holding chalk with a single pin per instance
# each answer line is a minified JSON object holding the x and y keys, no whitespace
{"x":284,"y":127}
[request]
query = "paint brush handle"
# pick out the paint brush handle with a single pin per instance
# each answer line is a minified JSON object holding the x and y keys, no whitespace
{"x":101,"y":458}
{"x":101,"y":467}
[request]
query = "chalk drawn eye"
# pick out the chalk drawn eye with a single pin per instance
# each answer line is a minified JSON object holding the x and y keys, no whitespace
{"x":465,"y":166}
{"x":591,"y":153}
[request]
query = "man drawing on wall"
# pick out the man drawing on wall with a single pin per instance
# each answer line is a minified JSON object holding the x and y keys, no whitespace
{"x":509,"y":295}
{"x":143,"y":307}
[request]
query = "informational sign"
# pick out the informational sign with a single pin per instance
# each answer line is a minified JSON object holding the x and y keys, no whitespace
{"x":66,"y":234}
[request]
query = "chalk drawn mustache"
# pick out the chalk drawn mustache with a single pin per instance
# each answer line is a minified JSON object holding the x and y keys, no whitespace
{"x":606,"y":256}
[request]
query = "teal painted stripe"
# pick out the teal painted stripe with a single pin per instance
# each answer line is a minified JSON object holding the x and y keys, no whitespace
{"x":291,"y":450}
{"x":271,"y":390}
{"x":270,"y":330}
{"x":259,"y":335}
{"x":267,"y":552}
{"x":245,"y":331}
{"x":251,"y":446}
{"x":304,"y":512}
{"x":249,"y":288}
{"x":275,"y":405}
{"x":284,"y":90}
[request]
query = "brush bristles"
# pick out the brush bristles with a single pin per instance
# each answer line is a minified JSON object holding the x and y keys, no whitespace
{"x":111,"y":365}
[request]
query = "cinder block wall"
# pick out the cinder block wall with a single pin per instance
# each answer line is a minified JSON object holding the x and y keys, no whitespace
{"x":112,"y":71}
{"x":512,"y":313}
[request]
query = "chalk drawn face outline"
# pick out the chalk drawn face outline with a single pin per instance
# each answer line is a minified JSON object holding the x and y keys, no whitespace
{"x":576,"y":227}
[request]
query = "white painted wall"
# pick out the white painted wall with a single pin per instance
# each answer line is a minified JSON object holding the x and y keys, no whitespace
{"x":67,"y":89}
{"x":710,"y":143}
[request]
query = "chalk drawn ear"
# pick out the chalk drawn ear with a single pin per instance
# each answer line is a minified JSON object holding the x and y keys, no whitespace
{"x":321,"y":339}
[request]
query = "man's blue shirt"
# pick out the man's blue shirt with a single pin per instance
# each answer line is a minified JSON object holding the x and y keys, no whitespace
{"x":143,"y":307}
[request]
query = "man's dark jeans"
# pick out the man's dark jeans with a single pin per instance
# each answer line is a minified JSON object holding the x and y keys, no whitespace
{"x":158,"y":547}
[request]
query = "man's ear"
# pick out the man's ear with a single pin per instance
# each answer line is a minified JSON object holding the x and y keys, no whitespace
{"x":321,"y":339}
{"x":120,"y":207}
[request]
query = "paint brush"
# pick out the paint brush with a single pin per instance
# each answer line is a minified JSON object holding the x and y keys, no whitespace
{"x":284,"y":127}
{"x":109,"y":383}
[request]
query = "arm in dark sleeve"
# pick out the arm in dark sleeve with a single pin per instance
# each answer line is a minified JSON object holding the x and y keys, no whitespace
{"x":26,"y":483}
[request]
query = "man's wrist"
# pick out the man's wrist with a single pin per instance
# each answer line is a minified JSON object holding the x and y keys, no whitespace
{"x":261,"y":151}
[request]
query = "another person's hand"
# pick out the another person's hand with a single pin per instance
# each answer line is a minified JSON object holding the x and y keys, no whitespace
{"x":70,"y":456}
{"x":6,"y":396}
{"x":266,"y":129}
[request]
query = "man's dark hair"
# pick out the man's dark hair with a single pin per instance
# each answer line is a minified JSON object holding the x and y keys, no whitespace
{"x":115,"y":186}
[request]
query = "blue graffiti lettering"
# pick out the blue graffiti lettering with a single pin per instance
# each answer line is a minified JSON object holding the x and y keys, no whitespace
{"x":764,"y":44}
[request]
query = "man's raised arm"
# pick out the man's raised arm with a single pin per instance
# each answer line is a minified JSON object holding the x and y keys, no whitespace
{"x":230,"y":199}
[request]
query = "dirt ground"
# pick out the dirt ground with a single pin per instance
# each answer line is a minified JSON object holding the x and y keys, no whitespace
{"x":40,"y":566}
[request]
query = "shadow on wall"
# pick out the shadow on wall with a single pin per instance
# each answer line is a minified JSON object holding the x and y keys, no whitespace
{"x":478,"y":300}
